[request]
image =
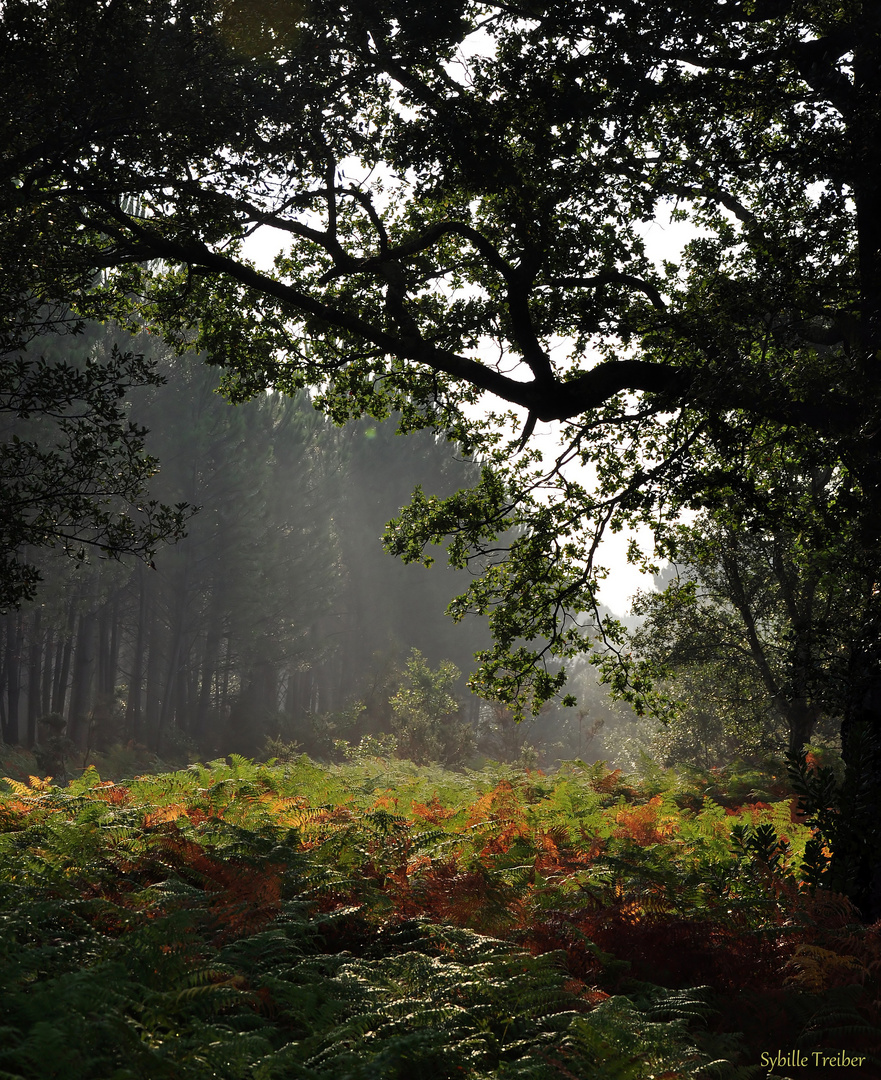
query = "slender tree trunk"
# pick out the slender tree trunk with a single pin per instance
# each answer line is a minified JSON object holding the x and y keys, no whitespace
{"x":115,"y":643}
{"x":223,"y":704}
{"x":105,"y":677}
{"x":108,"y":646}
{"x":108,"y":666}
{"x":166,"y":709}
{"x":176,"y":659}
{"x":62,"y":662}
{"x":136,"y":677}
{"x":35,"y":657}
{"x":153,"y":694}
{"x":13,"y":676}
{"x":46,"y":687}
{"x":83,"y":681}
{"x":209,"y":668}
{"x":103,"y":650}
{"x":181,"y":695}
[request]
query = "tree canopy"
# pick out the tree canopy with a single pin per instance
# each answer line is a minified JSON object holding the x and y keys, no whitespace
{"x":463,"y":190}
{"x":463,"y":193}
{"x":753,"y":628}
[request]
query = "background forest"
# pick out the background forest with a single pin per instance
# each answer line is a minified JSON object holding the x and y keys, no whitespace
{"x":278,"y":617}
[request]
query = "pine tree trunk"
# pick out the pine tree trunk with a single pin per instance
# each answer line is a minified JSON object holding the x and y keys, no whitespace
{"x":181,"y":695}
{"x":223,"y":704}
{"x":171,"y":703}
{"x":105,"y":679}
{"x":209,"y":668}
{"x":83,"y":681}
{"x":153,"y":692}
{"x":35,"y":657}
{"x":13,"y":675}
{"x":136,"y":676}
{"x":46,"y":687}
{"x":62,"y":662}
{"x":166,"y":708}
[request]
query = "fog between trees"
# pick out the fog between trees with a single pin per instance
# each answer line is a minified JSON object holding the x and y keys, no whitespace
{"x":279,"y":621}
{"x":280,"y":625}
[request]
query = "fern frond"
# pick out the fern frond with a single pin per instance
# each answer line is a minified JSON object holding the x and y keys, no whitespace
{"x":17,"y":786}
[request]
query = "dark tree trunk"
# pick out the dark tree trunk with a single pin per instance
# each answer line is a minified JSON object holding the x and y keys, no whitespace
{"x":108,"y":646}
{"x":181,"y":692}
{"x":107,"y":657}
{"x":103,"y":651}
{"x":856,"y":862}
{"x":166,"y":708}
{"x":62,"y":663}
{"x":801,"y":720}
{"x":153,"y":693}
{"x":136,"y":676}
{"x":83,"y":681}
{"x":172,"y":708}
{"x":35,"y":657}
{"x":46,"y":686}
{"x":13,"y":676}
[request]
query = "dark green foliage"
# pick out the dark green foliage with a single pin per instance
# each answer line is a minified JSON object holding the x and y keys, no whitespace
{"x":818,"y":791}
{"x":762,"y":844}
{"x":834,"y":807}
{"x":74,"y":471}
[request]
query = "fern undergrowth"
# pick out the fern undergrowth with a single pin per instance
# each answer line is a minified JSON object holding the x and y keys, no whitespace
{"x":254,"y":921}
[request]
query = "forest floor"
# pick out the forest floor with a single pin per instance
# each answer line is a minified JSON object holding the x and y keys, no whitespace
{"x":379,"y":920}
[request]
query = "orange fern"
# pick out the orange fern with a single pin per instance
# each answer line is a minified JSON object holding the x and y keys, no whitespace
{"x":642,"y":825}
{"x":432,"y":812}
{"x":607,"y":783}
{"x":162,"y":814}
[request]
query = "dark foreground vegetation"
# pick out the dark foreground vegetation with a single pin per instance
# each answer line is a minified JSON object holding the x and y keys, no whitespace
{"x":382,"y":920}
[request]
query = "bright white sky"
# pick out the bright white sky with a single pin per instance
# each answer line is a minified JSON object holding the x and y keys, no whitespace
{"x":664,"y":240}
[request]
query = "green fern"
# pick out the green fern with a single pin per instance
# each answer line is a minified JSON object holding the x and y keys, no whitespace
{"x":245,"y":921}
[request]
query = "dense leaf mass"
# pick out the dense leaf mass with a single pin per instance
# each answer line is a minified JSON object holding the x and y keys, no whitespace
{"x":378,"y":920}
{"x":462,"y":197}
